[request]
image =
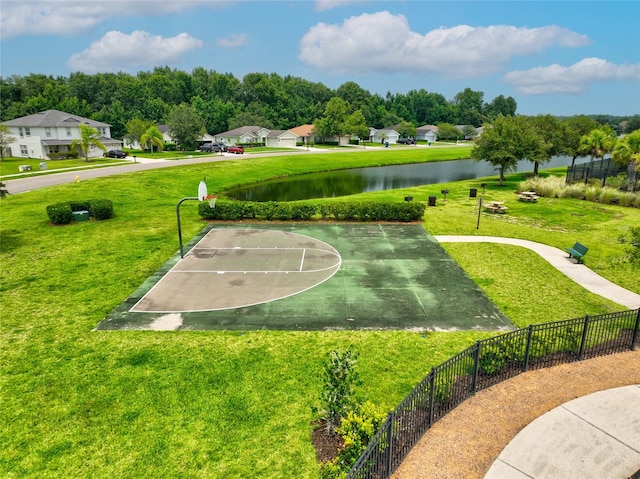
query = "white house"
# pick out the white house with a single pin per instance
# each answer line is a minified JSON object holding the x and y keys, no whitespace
{"x":427,"y":133}
{"x":244,"y":134}
{"x":384,"y":135}
{"x":51,"y":131}
{"x":304,"y":133}
{"x":281,"y":139}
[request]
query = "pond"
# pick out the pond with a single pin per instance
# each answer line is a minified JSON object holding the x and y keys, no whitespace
{"x":362,"y":180}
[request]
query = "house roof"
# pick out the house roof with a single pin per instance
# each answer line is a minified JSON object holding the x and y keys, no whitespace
{"x":53,"y":118}
{"x":302,"y":130}
{"x":279,"y":133}
{"x":243,"y":130}
{"x":427,"y":128}
{"x":164,"y":129}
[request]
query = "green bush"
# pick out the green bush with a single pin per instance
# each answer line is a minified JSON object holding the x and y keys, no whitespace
{"x":60,"y":213}
{"x":80,"y":206}
{"x":356,"y":429}
{"x":101,"y":209}
{"x":307,"y":210}
{"x":339,"y":379}
{"x":63,"y":155}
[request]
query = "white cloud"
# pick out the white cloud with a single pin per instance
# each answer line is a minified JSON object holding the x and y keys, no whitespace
{"x":324,"y":5}
{"x":117,"y":51}
{"x":233,"y":41}
{"x":572,"y":79}
{"x":383,"y":42}
{"x":68,"y":17}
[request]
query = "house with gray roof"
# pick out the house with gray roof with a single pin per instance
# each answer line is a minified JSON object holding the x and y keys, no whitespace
{"x":51,"y":131}
{"x":427,"y":133}
{"x":244,"y":134}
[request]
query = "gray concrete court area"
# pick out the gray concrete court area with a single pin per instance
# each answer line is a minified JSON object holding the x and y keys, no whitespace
{"x":309,"y":276}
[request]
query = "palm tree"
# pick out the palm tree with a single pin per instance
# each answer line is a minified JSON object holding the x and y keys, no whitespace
{"x":88,"y":137}
{"x":597,"y":143}
{"x":152,"y":137}
{"x":627,"y":152}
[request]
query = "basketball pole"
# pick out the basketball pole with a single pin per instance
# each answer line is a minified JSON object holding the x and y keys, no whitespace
{"x":202,"y":193}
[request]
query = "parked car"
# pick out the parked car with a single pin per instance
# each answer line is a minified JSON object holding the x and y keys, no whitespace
{"x":116,"y":154}
{"x":238,"y":150}
{"x":406,"y":141}
{"x":214,"y":147}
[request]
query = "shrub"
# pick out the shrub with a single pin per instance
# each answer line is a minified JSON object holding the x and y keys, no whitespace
{"x":307,"y":210}
{"x":339,"y":379}
{"x":101,"y":209}
{"x":357,"y":428}
{"x":60,"y":213}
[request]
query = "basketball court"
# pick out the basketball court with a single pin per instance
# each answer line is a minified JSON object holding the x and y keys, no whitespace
{"x":309,"y":276}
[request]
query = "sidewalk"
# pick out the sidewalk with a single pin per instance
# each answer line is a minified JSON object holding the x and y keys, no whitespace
{"x":595,"y":436}
{"x":561,"y":261}
{"x":574,"y":420}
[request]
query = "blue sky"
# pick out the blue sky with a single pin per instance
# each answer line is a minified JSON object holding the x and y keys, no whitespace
{"x":562,"y":58}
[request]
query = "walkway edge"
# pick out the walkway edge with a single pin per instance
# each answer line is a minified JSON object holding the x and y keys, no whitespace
{"x":560,"y":260}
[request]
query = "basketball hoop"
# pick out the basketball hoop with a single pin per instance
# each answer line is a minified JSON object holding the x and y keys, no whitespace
{"x":212,"y":200}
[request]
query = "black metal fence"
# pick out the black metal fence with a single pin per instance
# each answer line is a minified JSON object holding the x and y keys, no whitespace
{"x":600,"y":169}
{"x":484,"y":364}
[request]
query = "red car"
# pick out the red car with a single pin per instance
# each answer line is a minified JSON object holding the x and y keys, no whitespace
{"x":238,"y":150}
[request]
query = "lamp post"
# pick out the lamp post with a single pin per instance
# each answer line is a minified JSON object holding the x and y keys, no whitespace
{"x":202,"y":194}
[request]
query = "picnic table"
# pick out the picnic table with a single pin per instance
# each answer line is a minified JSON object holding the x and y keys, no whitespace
{"x":495,"y":206}
{"x":529,"y":196}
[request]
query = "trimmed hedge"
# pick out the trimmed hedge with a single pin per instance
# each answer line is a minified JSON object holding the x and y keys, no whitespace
{"x":308,"y":210}
{"x":62,"y":213}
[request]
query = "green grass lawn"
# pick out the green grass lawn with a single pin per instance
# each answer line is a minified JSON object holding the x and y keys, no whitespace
{"x":78,"y":403}
{"x":11,"y":165}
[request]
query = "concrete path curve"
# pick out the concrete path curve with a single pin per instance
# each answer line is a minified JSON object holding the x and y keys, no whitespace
{"x":592,"y":437}
{"x":567,"y":266}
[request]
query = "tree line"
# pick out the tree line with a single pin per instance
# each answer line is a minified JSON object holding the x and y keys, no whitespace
{"x":509,"y":139}
{"x":225,"y":102}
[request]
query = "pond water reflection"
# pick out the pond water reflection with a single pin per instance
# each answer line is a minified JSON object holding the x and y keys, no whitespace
{"x":362,"y":180}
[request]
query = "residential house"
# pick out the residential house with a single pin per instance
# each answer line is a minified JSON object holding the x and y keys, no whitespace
{"x":384,"y":135}
{"x":304,"y":133}
{"x":244,"y":134}
{"x":477,"y":133}
{"x":427,"y":133}
{"x":281,"y":139}
{"x":51,"y":131}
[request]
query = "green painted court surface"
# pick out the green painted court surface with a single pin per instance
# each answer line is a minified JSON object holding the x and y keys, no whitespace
{"x":309,"y":277}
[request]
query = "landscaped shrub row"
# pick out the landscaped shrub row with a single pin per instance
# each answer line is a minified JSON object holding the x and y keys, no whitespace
{"x":62,"y":213}
{"x":555,"y":187}
{"x":308,"y":210}
{"x":63,"y":155}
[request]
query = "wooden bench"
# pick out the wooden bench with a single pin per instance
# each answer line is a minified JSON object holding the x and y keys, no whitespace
{"x":577,"y":252}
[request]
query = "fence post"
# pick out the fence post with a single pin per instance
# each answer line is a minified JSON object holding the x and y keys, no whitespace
{"x":527,"y":349}
{"x":584,"y":338}
{"x":432,"y":385}
{"x":389,"y":454}
{"x":634,"y":337}
{"x":476,"y":361}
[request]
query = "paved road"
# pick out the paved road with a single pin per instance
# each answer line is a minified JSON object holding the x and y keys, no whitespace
{"x":30,"y":183}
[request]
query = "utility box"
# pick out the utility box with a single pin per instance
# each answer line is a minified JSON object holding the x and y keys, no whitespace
{"x":473,"y":192}
{"x":82,"y":215}
{"x":432,"y":200}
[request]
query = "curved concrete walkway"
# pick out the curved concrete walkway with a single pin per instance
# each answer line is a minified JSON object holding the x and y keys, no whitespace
{"x":592,"y":437}
{"x":567,"y":266}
